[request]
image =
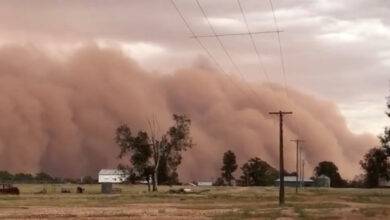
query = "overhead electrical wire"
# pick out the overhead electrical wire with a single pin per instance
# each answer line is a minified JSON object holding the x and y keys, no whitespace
{"x":196,"y":38}
{"x":219,"y":39}
{"x":281,"y":54}
{"x":208,"y":52}
{"x":253,"y":41}
{"x":217,"y":36}
{"x":282,"y":62}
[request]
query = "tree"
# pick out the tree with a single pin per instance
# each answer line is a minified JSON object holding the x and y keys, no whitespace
{"x":330,"y":170}
{"x":219,"y":182}
{"x":150,"y":153}
{"x":257,"y":172}
{"x":229,"y":166}
{"x":139,"y":149}
{"x":23,"y":178}
{"x":375,"y":162}
{"x":385,"y":138}
{"x":43,"y":177}
{"x":89,"y":180}
{"x":178,"y":140}
{"x":375,"y":165}
{"x":5,"y":176}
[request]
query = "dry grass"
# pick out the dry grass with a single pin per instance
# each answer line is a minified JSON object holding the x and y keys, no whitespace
{"x":216,"y":203}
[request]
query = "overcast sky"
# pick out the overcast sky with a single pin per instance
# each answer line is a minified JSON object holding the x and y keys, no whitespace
{"x":335,"y":49}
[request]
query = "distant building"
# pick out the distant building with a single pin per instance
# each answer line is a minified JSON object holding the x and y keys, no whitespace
{"x":112,"y":176}
{"x":383,"y":182}
{"x":204,"y":183}
{"x":292,"y":181}
{"x":322,"y":181}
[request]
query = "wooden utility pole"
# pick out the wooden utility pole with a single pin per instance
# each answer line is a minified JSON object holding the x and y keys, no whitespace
{"x":297,"y":141}
{"x":303,"y":173}
{"x":300,"y":167}
{"x":281,"y":160}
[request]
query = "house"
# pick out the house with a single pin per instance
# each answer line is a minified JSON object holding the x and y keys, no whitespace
{"x":292,"y":181}
{"x":204,"y":183}
{"x":112,"y":176}
{"x":383,"y":182}
{"x":322,"y":181}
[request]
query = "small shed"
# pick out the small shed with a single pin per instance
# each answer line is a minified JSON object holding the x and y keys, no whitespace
{"x":322,"y":181}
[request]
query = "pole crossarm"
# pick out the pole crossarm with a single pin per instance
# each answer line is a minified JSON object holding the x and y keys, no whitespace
{"x":280,"y":113}
{"x":236,"y":34}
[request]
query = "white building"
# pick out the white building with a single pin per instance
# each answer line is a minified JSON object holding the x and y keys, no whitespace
{"x":112,"y":176}
{"x":292,"y":181}
{"x":204,"y":183}
{"x":384,"y":183}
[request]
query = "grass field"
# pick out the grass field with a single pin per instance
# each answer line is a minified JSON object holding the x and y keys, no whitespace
{"x":207,"y":203}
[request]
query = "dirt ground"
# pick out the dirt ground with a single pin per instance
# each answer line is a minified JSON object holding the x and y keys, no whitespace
{"x":204,"y":203}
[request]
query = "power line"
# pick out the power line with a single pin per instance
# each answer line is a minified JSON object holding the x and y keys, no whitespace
{"x":281,"y":54}
{"x":253,"y":41}
{"x":214,"y":34}
{"x":218,"y":38}
{"x":237,"y":34}
{"x":205,"y":48}
{"x":283,"y":69}
{"x":196,"y":38}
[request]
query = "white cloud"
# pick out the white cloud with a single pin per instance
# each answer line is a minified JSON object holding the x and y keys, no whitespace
{"x":342,"y":31}
{"x":142,"y":50}
{"x":328,"y":5}
{"x":365,"y":116}
{"x":226,"y":22}
{"x":137,"y":50}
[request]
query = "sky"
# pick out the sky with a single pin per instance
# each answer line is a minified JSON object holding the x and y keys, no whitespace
{"x":336,"y":49}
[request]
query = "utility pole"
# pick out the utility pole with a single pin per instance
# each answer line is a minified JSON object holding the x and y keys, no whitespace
{"x":300,"y":166}
{"x":297,"y":141}
{"x":303,"y":172}
{"x":281,"y":160}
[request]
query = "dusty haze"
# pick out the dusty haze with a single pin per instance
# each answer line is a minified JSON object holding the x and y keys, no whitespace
{"x":59,"y":115}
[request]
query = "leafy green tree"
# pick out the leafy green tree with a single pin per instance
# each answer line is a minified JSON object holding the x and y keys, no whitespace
{"x":229,"y":166}
{"x":43,"y":177}
{"x":219,"y":182}
{"x":23,"y":178}
{"x":375,"y":165}
{"x":257,"y":172}
{"x":376,"y":161}
{"x":330,"y":170}
{"x":139,"y":149}
{"x":5,"y":176}
{"x":89,"y":180}
{"x":178,"y":139}
{"x":385,"y":138}
{"x":150,"y":154}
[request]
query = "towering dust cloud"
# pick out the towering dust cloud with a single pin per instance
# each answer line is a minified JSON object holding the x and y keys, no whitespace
{"x":59,"y":115}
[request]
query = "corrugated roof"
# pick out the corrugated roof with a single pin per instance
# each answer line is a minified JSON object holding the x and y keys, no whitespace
{"x":111,"y":172}
{"x":294,"y":179}
{"x":323,"y":176}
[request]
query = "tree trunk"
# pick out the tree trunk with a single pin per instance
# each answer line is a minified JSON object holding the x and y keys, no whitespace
{"x":156,"y":165}
{"x":148,"y":181}
{"x":155,"y":173}
{"x":155,"y":181}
